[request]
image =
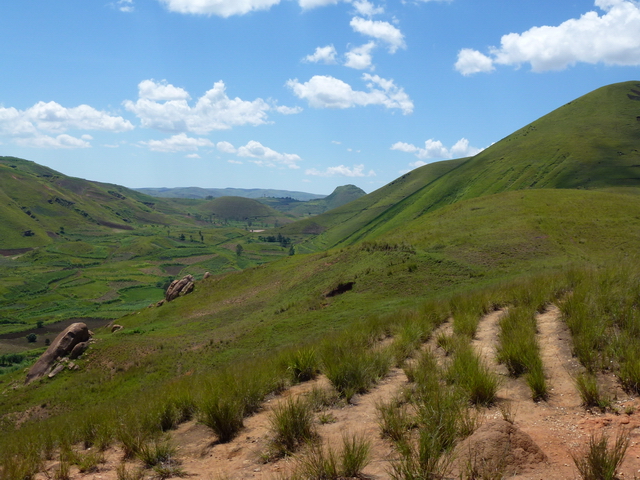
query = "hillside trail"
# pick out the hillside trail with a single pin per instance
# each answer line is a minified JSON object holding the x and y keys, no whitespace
{"x":560,"y":426}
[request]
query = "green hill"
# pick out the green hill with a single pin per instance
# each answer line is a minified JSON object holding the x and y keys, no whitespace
{"x":241,"y":209}
{"x":550,"y":209}
{"x":340,"y":196}
{"x":37,"y":203}
{"x":589,"y":143}
{"x":205,"y":193}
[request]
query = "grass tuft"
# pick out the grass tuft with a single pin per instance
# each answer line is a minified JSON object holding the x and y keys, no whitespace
{"x":600,"y":460}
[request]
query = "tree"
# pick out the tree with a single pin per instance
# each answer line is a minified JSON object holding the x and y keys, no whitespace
{"x":292,"y":251}
{"x":32,"y":337}
{"x":239,"y":249}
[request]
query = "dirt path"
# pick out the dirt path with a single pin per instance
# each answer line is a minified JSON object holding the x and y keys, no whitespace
{"x":559,"y":426}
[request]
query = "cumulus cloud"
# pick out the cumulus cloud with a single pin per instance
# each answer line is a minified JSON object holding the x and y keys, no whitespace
{"x":266,"y":157}
{"x":434,"y":149}
{"x":379,"y":30}
{"x":46,"y":141}
{"x":164,"y":107}
{"x":366,"y":8}
{"x":221,"y":8}
{"x":226,"y":147}
{"x":471,"y":61}
{"x":125,"y":5}
{"x":611,"y":38}
{"x":306,"y":4}
{"x":30,"y":127}
{"x":326,"y":55}
{"x":329,"y":92}
{"x":360,"y":57}
{"x":341,"y":170}
{"x":178,"y":143}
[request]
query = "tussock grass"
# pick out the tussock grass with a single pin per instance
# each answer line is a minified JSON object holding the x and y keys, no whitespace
{"x":223,"y":414}
{"x":394,"y":420}
{"x":518,"y":347}
{"x":302,"y":364}
{"x":292,"y":426}
{"x":590,"y":394}
{"x":601,"y":458}
{"x":468,"y":372}
{"x":353,"y":368}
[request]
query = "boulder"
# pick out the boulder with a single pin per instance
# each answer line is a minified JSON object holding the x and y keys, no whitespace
{"x":179,"y":287}
{"x":206,"y":275}
{"x":115,"y":327}
{"x":62,"y":346}
{"x":78,"y":350}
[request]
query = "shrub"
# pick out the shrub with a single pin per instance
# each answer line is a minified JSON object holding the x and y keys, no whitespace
{"x":32,"y":337}
{"x":599,"y":461}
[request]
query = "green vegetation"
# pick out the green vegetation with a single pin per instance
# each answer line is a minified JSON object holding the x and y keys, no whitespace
{"x":368,"y":284}
{"x":600,"y":460}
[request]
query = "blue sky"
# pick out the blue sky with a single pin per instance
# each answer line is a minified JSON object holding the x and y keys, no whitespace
{"x":292,"y":94}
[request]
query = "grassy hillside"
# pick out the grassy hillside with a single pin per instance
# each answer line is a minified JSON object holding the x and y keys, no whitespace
{"x":339,"y":224}
{"x":339,"y":197}
{"x":588,"y":143}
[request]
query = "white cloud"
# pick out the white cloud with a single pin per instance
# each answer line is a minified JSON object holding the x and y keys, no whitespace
{"x":306,"y":4}
{"x":366,"y":8}
{"x":611,"y":38}
{"x":226,"y":147}
{"x":383,"y":31}
{"x":30,"y":127}
{"x":178,"y":143}
{"x":266,"y":156}
{"x":213,"y":111}
{"x":125,"y":5}
{"x":471,"y":61}
{"x":329,"y":92}
{"x":287,"y":110}
{"x":46,"y":141}
{"x":193,"y":155}
{"x":161,"y":91}
{"x":360,"y":57}
{"x":326,"y":55}
{"x":221,"y":8}
{"x":341,"y":170}
{"x":235,"y":162}
{"x":434,"y":149}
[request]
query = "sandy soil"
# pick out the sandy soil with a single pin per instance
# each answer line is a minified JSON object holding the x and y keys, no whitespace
{"x":557,"y":426}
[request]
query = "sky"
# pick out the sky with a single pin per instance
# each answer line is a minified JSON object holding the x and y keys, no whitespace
{"x":292,"y":94}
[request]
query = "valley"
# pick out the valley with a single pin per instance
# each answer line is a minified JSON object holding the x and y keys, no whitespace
{"x":466,"y":299}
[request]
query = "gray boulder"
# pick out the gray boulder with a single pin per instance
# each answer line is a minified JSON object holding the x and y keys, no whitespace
{"x":62,"y":346}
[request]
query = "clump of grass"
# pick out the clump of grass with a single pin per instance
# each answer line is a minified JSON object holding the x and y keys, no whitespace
{"x":122,"y":473}
{"x":600,"y":460}
{"x":473,"y":377}
{"x":352,"y":370}
{"x":406,"y":341}
{"x":425,"y":373}
{"x":426,"y":460}
{"x":320,"y":398}
{"x":223,"y":414}
{"x":394,"y":420}
{"x":519,"y":350}
{"x":325,"y":464}
{"x":302,"y":365}
{"x":156,"y":452}
{"x":88,"y":462}
{"x":292,"y":425}
{"x":589,"y":391}
{"x":447,"y":342}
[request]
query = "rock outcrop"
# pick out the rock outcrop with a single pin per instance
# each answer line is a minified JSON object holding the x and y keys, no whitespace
{"x":180,"y":287}
{"x":63,"y":345}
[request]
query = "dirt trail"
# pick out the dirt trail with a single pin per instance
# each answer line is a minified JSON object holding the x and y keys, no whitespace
{"x":558,"y":426}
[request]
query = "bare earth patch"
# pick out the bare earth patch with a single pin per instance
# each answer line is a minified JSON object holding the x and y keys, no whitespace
{"x":535,"y":442}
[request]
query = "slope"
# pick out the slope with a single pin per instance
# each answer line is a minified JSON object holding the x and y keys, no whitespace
{"x":37,"y":203}
{"x":591,"y":142}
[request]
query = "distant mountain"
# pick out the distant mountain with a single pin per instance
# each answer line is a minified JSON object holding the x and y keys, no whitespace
{"x":340,"y":196}
{"x":203,"y":193}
